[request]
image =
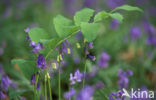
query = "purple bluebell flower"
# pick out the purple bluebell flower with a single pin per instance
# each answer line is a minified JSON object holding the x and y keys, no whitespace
{"x":85,"y":94}
{"x":72,"y":79}
{"x":33,"y":79}
{"x":2,"y":96}
{"x":66,"y":47}
{"x":41,"y":62}
{"x":70,"y":94}
{"x":79,"y":36}
{"x":38,"y":86}
{"x":90,"y":45}
{"x":123,"y":78}
{"x":37,"y":47}
{"x":114,"y":24}
{"x":27,"y":30}
{"x":135,"y":33}
{"x":5,"y":83}
{"x":89,"y":55}
{"x":32,"y":44}
{"x":93,"y":58}
{"x":103,"y":61}
{"x":151,"y":33}
{"x":77,"y":77}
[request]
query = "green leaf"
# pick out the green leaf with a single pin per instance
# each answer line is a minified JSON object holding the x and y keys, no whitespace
{"x":101,"y":15}
{"x":128,"y":8}
{"x":83,"y":15}
{"x":26,"y":67}
{"x":117,"y":16}
{"x":89,"y":30}
{"x":49,"y":45}
{"x":64,"y":26}
{"x":38,"y":33}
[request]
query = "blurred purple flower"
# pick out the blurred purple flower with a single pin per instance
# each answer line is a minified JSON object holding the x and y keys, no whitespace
{"x":33,"y":79}
{"x":7,"y":12}
{"x":123,"y":78}
{"x":77,"y":60}
{"x":149,"y":28}
{"x":78,"y":76}
{"x":99,"y":85}
{"x":69,"y":6}
{"x":89,"y":3}
{"x":2,"y":96}
{"x":72,"y":79}
{"x":125,"y":39}
{"x":70,"y":94}
{"x":5,"y":82}
{"x":66,"y":47}
{"x":93,"y":58}
{"x":135,"y":33}
{"x":13,"y":85}
{"x":85,"y":94}
{"x":114,"y":3}
{"x":22,"y":98}
{"x":116,"y":96}
{"x":93,"y":72}
{"x":27,"y":30}
{"x":103,"y":61}
{"x":38,"y":86}
{"x":90,"y":45}
{"x":114,"y":24}
{"x":41,"y":62}
{"x":78,"y":36}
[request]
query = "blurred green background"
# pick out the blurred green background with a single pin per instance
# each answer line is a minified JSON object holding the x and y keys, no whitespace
{"x":125,"y":52}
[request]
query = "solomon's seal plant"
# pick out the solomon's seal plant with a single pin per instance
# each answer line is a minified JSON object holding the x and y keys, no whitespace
{"x":50,"y":55}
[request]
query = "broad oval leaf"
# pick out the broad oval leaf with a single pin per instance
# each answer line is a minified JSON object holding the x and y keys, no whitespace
{"x":49,"y":45}
{"x":117,"y":16}
{"x":128,"y":8}
{"x":63,"y":26}
{"x":83,"y":15}
{"x":38,"y":33}
{"x":101,"y":15}
{"x":89,"y":30}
